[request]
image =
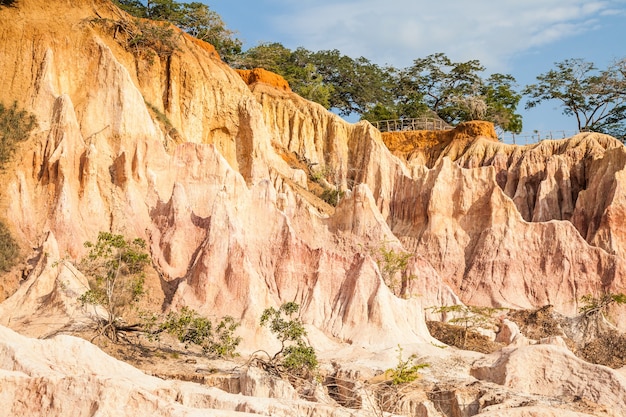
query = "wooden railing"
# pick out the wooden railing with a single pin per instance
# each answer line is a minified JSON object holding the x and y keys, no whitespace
{"x":536,"y":136}
{"x":421,"y":123}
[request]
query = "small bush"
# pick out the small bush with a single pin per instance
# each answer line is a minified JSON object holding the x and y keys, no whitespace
{"x":148,"y":37}
{"x":144,"y":38}
{"x":15,"y":126}
{"x":406,"y":370}
{"x":295,"y":356}
{"x":608,"y":350}
{"x":191,"y":328}
{"x":462,"y":327}
{"x":537,"y":324}
{"x":331,"y":196}
{"x":9,"y":250}
{"x":591,"y":305}
{"x":392,"y":263}
{"x":461,"y":338}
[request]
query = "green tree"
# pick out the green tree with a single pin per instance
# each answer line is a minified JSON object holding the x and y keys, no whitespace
{"x":296,"y":67}
{"x":392,"y":263}
{"x":595,"y":97}
{"x":195,"y":18}
{"x":205,"y":24}
{"x":295,"y":354}
{"x":132,"y":7}
{"x":501,"y":101}
{"x":114,"y":267}
{"x":456,"y":92}
{"x":272,"y":56}
{"x":358,"y":85}
{"x":442,"y":83}
{"x":168,"y":10}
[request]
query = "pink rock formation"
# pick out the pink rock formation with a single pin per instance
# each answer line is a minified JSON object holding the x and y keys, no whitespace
{"x":178,"y":150}
{"x":554,"y":371}
{"x":67,"y":376}
{"x":228,"y":234}
{"x":229,"y":229}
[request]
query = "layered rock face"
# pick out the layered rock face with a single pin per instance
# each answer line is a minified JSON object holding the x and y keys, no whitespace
{"x":177,"y":149}
{"x":227,"y":224}
{"x":538,"y":217}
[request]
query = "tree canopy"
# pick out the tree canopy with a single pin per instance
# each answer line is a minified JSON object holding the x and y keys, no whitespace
{"x":457,"y":92}
{"x":432,"y":86}
{"x":195,"y":18}
{"x":597,"y":98}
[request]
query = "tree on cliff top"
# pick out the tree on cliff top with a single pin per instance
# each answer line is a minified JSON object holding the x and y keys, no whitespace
{"x":456,"y":92}
{"x":597,"y":98}
{"x":329,"y":78}
{"x":195,"y":18}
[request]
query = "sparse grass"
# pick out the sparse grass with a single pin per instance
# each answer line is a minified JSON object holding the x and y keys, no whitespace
{"x":406,"y":370}
{"x":459,"y":337}
{"x":536,"y":324}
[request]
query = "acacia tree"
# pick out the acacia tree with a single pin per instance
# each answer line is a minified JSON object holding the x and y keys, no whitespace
{"x":358,"y":85}
{"x":442,"y":83}
{"x":114,"y":267}
{"x":456,"y":92}
{"x":595,"y":97}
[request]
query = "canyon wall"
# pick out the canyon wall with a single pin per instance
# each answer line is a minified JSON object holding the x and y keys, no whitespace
{"x":215,"y":174}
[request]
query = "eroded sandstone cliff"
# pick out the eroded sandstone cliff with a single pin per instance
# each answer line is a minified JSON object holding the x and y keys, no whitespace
{"x":214,"y":168}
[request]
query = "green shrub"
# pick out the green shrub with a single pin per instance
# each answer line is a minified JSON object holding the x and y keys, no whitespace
{"x":296,"y":356}
{"x":591,"y":305}
{"x":152,"y":38}
{"x":331,"y":196}
{"x":393,"y":265}
{"x":144,"y":38}
{"x":406,"y":370}
{"x":15,"y":126}
{"x":9,"y":250}
{"x":191,"y":328}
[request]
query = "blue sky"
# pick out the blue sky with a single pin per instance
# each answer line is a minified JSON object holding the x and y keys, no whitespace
{"x":519,"y":37}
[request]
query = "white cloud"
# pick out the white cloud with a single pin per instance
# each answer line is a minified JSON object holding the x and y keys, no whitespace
{"x":398,"y":31}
